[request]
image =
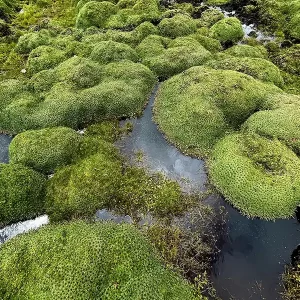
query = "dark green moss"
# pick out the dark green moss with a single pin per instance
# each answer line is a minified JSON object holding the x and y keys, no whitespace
{"x":45,"y":150}
{"x":21,"y":193}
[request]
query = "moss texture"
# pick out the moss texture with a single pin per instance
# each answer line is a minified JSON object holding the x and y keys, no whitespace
{"x":210,"y":16}
{"x":227,"y":30}
{"x":122,"y":15}
{"x":46,"y":149}
{"x":106,"y":52}
{"x":258,"y":68}
{"x":247,"y":51}
{"x":43,"y":58}
{"x":94,"y":261}
{"x":197,"y":107}
{"x":178,"y":25}
{"x":21,"y":193}
{"x":282,"y":122}
{"x":181,"y":54}
{"x":258,"y":176}
{"x":81,"y":92}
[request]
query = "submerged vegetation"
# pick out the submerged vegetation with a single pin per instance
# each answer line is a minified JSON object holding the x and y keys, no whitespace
{"x":71,"y":70}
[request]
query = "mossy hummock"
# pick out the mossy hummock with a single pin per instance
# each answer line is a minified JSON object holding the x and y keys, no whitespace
{"x":259,"y":176}
{"x":22,"y":192}
{"x":199,"y":106}
{"x":46,"y":149}
{"x":77,"y":92}
{"x":86,"y":261}
{"x":227,"y":30}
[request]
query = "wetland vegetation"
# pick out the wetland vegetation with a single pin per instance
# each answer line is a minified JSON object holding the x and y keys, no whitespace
{"x":71,"y":70}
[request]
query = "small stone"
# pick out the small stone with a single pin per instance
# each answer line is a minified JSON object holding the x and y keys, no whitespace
{"x":23,"y":71}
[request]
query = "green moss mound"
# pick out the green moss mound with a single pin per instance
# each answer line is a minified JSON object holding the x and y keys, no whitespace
{"x":106,"y":52}
{"x":210,"y":16}
{"x":181,"y":54}
{"x":86,"y":261}
{"x":247,"y":51}
{"x":32,"y":40}
{"x":178,"y":25}
{"x":81,"y":189}
{"x":78,"y":92}
{"x":21,"y":193}
{"x":260,"y":177}
{"x":125,"y":14}
{"x":95,"y":13}
{"x":227,"y":30}
{"x":197,"y":107}
{"x":282,"y":123}
{"x":258,"y":68}
{"x":208,"y":43}
{"x":46,"y":149}
{"x":44,"y":57}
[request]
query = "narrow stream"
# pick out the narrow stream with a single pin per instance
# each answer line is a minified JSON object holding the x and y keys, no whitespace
{"x":254,"y":252}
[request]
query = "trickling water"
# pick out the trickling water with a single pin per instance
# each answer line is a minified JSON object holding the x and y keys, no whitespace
{"x":4,"y":144}
{"x":254,"y":252}
{"x":159,"y":156}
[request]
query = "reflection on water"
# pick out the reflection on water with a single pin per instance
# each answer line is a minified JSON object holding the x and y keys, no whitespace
{"x":254,"y":252}
{"x":160,"y":156}
{"x":4,"y":144}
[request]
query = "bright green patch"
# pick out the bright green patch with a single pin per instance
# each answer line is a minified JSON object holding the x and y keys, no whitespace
{"x":86,"y":261}
{"x":227,"y":30}
{"x":260,"y":177}
{"x":247,"y":51}
{"x":282,"y":123}
{"x":197,"y":107}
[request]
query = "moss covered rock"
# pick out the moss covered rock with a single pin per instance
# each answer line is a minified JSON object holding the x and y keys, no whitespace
{"x":197,"y":107}
{"x":46,"y":149}
{"x":227,"y":30}
{"x":208,"y":43}
{"x":260,"y":177}
{"x":44,"y":57}
{"x":258,"y":68}
{"x":21,"y":193}
{"x":178,"y":25}
{"x":106,"y":52}
{"x":210,"y":16}
{"x":86,"y":261}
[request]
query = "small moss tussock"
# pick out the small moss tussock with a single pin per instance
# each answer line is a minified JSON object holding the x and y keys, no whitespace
{"x":86,"y":260}
{"x":22,"y":193}
{"x":228,"y":30}
{"x":267,"y":171}
{"x":46,"y":149}
{"x":199,"y":106}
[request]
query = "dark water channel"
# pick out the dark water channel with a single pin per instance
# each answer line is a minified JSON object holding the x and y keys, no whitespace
{"x":254,"y":252}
